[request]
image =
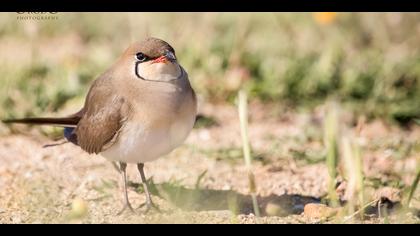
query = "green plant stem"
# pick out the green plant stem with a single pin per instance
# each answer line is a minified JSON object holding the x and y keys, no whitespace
{"x":243,"y":120}
{"x":413,"y":187}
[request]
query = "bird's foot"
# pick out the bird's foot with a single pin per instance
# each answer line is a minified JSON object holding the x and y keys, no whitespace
{"x":150,"y":206}
{"x":127,"y":206}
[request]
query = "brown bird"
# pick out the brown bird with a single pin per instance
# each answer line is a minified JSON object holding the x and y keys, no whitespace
{"x":140,"y":109}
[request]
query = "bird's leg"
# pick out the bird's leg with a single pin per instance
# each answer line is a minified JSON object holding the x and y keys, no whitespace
{"x":127,"y":204}
{"x":115,"y":165}
{"x":149,"y":203}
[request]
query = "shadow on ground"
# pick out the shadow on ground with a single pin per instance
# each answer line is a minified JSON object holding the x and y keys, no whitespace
{"x":199,"y":199}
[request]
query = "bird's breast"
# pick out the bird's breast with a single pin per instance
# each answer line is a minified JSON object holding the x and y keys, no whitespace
{"x":155,"y":130}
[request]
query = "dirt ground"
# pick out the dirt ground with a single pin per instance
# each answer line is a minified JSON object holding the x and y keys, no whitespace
{"x":203,"y":181}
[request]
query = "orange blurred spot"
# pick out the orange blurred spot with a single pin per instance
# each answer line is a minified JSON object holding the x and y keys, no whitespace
{"x":324,"y":18}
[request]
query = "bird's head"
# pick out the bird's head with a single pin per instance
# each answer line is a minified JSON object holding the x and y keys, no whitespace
{"x":153,"y":59}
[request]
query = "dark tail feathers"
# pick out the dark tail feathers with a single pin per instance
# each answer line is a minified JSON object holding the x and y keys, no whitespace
{"x":66,"y":121}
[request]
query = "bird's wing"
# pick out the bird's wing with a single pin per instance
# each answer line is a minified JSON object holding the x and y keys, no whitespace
{"x":105,"y":113}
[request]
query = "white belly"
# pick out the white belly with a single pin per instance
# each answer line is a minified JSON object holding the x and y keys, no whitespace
{"x":138,"y":143}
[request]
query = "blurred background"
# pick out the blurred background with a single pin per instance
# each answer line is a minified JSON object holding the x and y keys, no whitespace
{"x":368,"y":61}
{"x":334,"y":109}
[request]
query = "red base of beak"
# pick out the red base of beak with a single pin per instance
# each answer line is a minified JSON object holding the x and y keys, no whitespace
{"x":161,"y":59}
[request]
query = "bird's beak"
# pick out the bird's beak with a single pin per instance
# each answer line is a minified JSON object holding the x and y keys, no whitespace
{"x":170,"y":56}
{"x":167,"y":56}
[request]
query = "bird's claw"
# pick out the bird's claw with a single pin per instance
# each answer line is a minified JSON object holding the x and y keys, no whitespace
{"x":150,"y":206}
{"x":125,"y":208}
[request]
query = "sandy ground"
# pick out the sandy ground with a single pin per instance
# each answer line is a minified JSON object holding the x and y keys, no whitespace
{"x":62,"y":184}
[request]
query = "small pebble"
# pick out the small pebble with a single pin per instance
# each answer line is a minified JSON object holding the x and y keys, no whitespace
{"x":391,"y":194}
{"x":319,"y":211}
{"x":78,"y":208}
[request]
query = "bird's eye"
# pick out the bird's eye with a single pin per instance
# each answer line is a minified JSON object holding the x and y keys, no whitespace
{"x":141,"y":57}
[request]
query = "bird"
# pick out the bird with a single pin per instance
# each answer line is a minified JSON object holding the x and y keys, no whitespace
{"x":137,"y":111}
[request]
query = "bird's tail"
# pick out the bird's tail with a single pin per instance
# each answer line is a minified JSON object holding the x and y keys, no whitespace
{"x":69,"y":121}
{"x":64,"y":121}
